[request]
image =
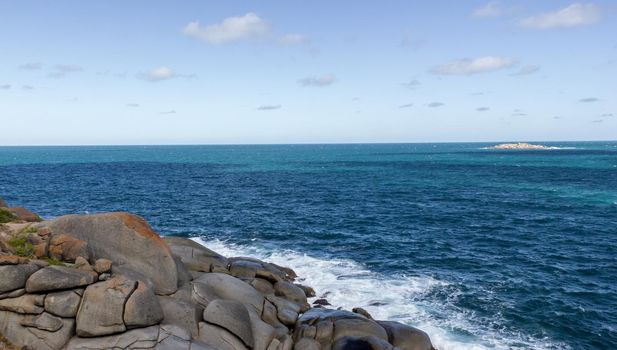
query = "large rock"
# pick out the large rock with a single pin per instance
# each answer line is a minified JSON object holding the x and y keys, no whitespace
{"x":30,"y":337}
{"x":233,"y":316}
{"x":291,"y":292}
{"x":406,"y":337}
{"x":25,"y":304}
{"x":219,"y":338}
{"x":14,"y":276}
{"x":361,"y":343}
{"x":142,"y":308}
{"x":140,"y":338}
{"x":195,"y":256}
{"x":181,"y":313}
{"x":102,"y":307}
{"x":44,"y":321}
{"x":63,"y":304}
{"x":213,"y":286}
{"x":67,"y":248}
{"x":125,"y":239}
{"x":58,"y":277}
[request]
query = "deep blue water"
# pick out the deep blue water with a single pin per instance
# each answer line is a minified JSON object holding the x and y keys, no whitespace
{"x":483,"y":248}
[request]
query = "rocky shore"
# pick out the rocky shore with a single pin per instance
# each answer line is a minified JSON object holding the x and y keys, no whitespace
{"x":108,"y":281}
{"x":521,"y":146}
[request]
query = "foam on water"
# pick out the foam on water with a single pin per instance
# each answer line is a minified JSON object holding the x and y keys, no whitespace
{"x":348,"y":284}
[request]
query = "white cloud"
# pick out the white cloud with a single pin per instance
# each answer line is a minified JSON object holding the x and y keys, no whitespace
{"x":27,"y":87}
{"x":571,"y":16}
{"x":230,"y":29}
{"x":162,"y":73}
{"x":473,"y":66}
{"x":324,"y":80}
{"x":5,"y":87}
{"x":292,"y":39}
{"x":489,"y":10}
{"x":173,"y":111}
{"x":435,"y":104}
{"x":268,"y":107}
{"x":412,"y":84}
{"x":406,"y":105}
{"x":132,"y":105}
{"x":483,"y":109}
{"x":589,"y":99}
{"x":526,"y":70}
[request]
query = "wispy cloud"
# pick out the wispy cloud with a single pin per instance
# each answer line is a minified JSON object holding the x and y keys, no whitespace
{"x":319,"y":81}
{"x":62,"y":70}
{"x":606,"y":115}
{"x":526,"y":70}
{"x":406,"y":105}
{"x":173,"y":111}
{"x":162,"y":73}
{"x":31,"y":66}
{"x":27,"y":87}
{"x":473,"y":66}
{"x":5,"y":87}
{"x":598,"y":121}
{"x":435,"y":104}
{"x":132,"y":105}
{"x":589,"y":99}
{"x":292,"y":39}
{"x":412,"y":84}
{"x":483,"y":109}
{"x":571,"y":16}
{"x":268,"y":107}
{"x":518,"y":113}
{"x":491,"y":9}
{"x":230,"y":29}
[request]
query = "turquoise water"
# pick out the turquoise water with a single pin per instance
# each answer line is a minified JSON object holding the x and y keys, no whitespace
{"x":484,"y":249}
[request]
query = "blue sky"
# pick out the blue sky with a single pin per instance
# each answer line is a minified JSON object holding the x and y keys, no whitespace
{"x":143,"y":72}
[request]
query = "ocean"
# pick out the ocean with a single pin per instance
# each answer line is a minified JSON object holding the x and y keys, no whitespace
{"x":483,"y":249}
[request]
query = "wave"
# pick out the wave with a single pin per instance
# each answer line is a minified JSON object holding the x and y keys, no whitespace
{"x":407,"y":299}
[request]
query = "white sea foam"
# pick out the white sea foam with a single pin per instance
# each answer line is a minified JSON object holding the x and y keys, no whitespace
{"x":348,"y":284}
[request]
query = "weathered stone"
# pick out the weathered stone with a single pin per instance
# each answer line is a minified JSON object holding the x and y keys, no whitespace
{"x":102,"y":307}
{"x":307,"y":344}
{"x":358,"y":327}
{"x":184,"y":276}
{"x":58,"y":277}
{"x":63,"y":304}
{"x":321,"y":302}
{"x":173,"y":338}
{"x":308,"y":291}
{"x":104,"y":276}
{"x":263,"y":333}
{"x":361,"y":311}
{"x":195,"y":256}
{"x":361,"y":343}
{"x":25,"y":214}
{"x":406,"y":337}
{"x":67,"y":248}
{"x":142,"y":308}
{"x":13,"y":294}
{"x":102,"y":265}
{"x":140,"y":338}
{"x":44,"y":321}
{"x":262,"y":285}
{"x":125,"y":239}
{"x":12,"y":260}
{"x":290,"y":292}
{"x":244,"y":269}
{"x":34,"y":338}
{"x":219,"y":338}
{"x":82,"y":264}
{"x":14,"y":276}
{"x":231,"y":315}
{"x":286,"y":311}
{"x":25,"y":304}
{"x":213,"y":286}
{"x":181,"y":313}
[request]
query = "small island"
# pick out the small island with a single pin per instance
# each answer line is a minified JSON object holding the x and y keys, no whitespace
{"x":521,"y":146}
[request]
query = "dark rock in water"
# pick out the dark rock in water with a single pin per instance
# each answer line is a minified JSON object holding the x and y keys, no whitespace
{"x":406,"y":337}
{"x":24,"y":214}
{"x":125,"y":239}
{"x":361,"y":311}
{"x":58,"y":277}
{"x":231,"y":315}
{"x":322,"y":302}
{"x":308,"y":291}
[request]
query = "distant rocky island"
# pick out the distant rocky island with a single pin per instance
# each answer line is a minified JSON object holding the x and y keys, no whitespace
{"x":108,"y":281}
{"x":521,"y":146}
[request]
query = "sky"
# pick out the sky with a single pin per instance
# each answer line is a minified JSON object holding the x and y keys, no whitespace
{"x":220,"y":72}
